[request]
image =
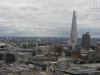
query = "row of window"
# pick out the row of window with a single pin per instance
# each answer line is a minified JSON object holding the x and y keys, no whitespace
{"x":43,"y":60}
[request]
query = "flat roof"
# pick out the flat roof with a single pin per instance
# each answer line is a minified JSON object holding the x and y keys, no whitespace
{"x":2,"y":44}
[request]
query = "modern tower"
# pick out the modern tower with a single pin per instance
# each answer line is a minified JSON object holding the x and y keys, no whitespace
{"x":73,"y":35}
{"x":86,"y":41}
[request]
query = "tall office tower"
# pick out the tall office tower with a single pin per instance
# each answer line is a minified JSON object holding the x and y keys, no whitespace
{"x":86,"y":41}
{"x":73,"y":35}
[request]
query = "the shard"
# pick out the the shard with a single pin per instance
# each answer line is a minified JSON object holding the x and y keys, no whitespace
{"x":73,"y":35}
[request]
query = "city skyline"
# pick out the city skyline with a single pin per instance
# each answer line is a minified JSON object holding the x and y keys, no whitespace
{"x":47,"y":18}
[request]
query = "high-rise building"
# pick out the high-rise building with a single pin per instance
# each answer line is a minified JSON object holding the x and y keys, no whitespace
{"x":73,"y":35}
{"x":86,"y":41}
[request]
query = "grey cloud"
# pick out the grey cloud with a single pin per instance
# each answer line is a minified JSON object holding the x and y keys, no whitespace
{"x":47,"y":17}
{"x":29,"y":7}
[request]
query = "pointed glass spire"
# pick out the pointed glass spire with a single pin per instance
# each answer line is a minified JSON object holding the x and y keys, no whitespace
{"x":73,"y":35}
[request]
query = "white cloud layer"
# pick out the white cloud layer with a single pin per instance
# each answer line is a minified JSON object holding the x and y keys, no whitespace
{"x":47,"y":18}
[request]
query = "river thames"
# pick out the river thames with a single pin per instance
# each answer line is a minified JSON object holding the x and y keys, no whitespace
{"x":89,"y":64}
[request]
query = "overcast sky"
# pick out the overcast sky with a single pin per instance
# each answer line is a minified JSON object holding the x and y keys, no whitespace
{"x":47,"y":18}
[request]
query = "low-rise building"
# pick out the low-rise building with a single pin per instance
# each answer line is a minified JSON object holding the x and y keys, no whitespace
{"x":44,"y":58}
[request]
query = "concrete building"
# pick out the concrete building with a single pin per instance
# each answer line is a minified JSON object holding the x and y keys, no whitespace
{"x":23,"y":57}
{"x":86,"y":41}
{"x":27,"y":51}
{"x":2,"y":45}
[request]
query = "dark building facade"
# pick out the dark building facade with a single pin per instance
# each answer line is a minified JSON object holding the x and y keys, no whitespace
{"x":7,"y":57}
{"x":58,"y":49}
{"x":86,"y":41}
